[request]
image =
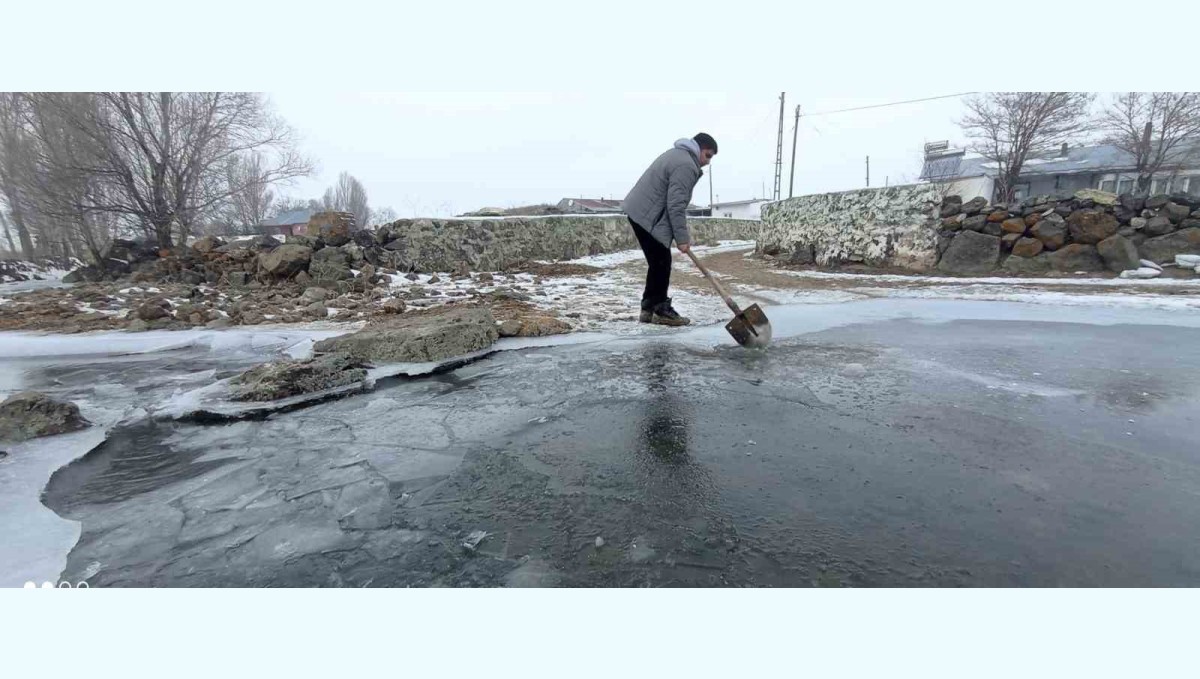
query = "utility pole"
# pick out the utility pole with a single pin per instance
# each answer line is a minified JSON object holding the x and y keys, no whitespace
{"x":779,"y":149}
{"x":868,"y":172}
{"x":795,"y":133}
{"x":710,"y":191}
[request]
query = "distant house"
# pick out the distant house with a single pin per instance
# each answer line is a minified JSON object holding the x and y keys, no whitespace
{"x":291,"y":223}
{"x":1103,"y":167}
{"x":740,"y":209}
{"x":589,"y":206}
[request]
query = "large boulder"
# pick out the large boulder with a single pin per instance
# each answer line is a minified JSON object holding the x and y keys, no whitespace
{"x":951,"y":205}
{"x":1076,"y":257}
{"x":420,"y":339}
{"x":1013,"y":225}
{"x":975,"y":223}
{"x":328,"y":266}
{"x":974,"y":206}
{"x":364,"y":239}
{"x":1027,"y":247}
{"x":1118,"y":253}
{"x":30,"y":414}
{"x":1164,"y":248}
{"x":971,"y":253}
{"x":281,"y":379}
{"x":1091,"y":226}
{"x":285,"y":261}
{"x":1052,"y":231}
{"x":1027,"y":265}
{"x":331,"y":227}
{"x":1157,"y":201}
{"x":1097,"y":197}
{"x":354,"y":254}
{"x":1158,"y":226}
{"x":1175,"y":212}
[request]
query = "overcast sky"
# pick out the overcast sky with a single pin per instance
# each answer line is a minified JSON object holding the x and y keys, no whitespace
{"x":438,"y":154}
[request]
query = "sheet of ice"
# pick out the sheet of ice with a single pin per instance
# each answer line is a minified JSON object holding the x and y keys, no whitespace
{"x":894,"y":278}
{"x":258,"y":340}
{"x":801,"y":319}
{"x":213,"y":400}
{"x":34,"y":541}
{"x":1011,"y":293}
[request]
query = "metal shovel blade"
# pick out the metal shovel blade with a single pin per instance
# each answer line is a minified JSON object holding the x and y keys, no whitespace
{"x":751,"y":327}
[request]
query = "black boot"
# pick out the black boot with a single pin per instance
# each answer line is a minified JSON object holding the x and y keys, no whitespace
{"x":665,"y":314}
{"x":647,"y":314}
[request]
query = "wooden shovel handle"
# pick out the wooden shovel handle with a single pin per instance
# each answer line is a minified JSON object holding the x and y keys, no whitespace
{"x":720,"y":290}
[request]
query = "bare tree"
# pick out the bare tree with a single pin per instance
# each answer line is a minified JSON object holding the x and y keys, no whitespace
{"x":12,"y":246}
{"x":1161,"y":130}
{"x":59,"y":190}
{"x":348,"y":195}
{"x":1009,"y":128}
{"x":166,"y":153}
{"x":384,"y":215}
{"x":14,"y":164}
{"x":252,"y":202}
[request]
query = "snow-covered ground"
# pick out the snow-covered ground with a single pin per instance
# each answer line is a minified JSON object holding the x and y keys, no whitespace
{"x":36,"y":276}
{"x":13,"y":271}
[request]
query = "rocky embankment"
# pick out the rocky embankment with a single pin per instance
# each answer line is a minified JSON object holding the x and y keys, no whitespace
{"x":333,"y":273}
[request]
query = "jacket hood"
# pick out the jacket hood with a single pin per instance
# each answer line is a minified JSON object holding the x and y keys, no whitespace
{"x":690,"y":146}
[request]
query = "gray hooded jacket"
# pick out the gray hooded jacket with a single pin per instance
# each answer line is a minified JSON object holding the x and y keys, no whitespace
{"x":659,"y":201}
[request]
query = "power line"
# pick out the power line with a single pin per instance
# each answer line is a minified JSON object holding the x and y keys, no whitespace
{"x":894,"y":103}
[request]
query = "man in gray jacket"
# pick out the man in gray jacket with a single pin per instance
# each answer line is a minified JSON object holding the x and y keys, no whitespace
{"x":657,"y":210}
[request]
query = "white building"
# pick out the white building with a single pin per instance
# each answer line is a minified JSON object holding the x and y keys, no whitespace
{"x":740,"y":209}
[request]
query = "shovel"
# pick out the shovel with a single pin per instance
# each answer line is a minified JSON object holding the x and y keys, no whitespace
{"x":749,"y":326}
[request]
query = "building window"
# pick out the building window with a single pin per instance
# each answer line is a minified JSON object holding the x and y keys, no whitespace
{"x":1107,"y":185}
{"x":1163,"y":185}
{"x":1125,"y":185}
{"x":1021,"y":192}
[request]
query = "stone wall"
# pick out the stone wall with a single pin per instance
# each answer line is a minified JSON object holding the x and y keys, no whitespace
{"x":889,"y":227}
{"x":497,"y":244}
{"x":1085,"y":231}
{"x":916,"y":228}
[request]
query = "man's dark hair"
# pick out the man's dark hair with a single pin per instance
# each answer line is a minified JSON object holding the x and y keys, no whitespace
{"x":706,"y":142}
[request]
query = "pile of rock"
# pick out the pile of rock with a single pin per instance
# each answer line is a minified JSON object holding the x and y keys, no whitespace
{"x":1088,"y":231}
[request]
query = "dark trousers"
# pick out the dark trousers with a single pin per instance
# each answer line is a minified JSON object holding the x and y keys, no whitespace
{"x":658,"y":259}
